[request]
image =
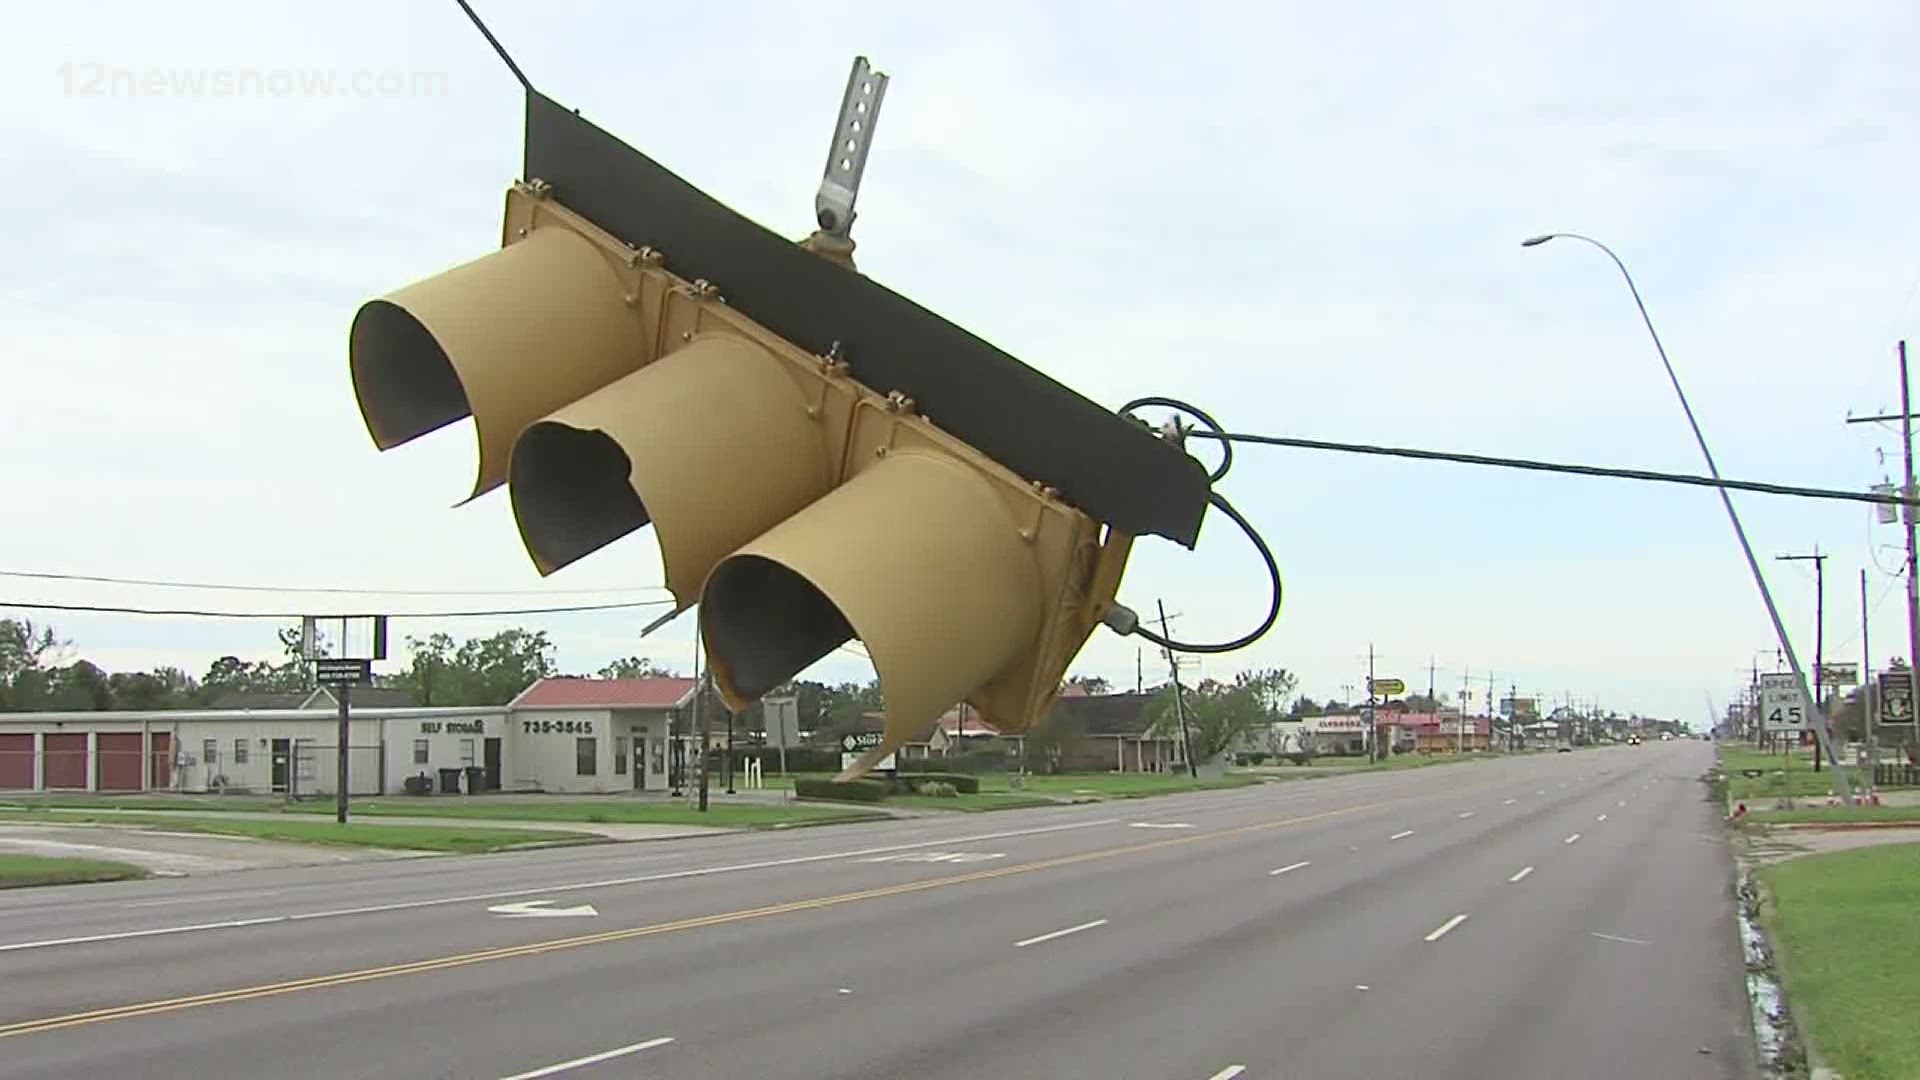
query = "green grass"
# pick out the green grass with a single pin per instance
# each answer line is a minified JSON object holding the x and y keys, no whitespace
{"x":19,"y":871}
{"x":609,"y":810}
{"x":1783,"y":776}
{"x":1834,"y":815}
{"x":450,"y":838}
{"x":617,"y":812}
{"x":1857,"y":1002}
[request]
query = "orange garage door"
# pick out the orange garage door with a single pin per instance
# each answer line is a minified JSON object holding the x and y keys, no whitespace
{"x":119,"y":761}
{"x":66,"y":760}
{"x":16,"y":762}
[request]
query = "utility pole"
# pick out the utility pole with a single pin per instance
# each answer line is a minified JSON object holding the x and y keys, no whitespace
{"x":1513,"y":720}
{"x":1867,"y":683}
{"x":1179,"y":697}
{"x":1373,"y":743}
{"x":700,"y":719}
{"x":1819,"y":636}
{"x":1907,"y":491}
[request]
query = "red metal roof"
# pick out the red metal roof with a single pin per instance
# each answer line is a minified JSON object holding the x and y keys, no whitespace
{"x":568,"y":692}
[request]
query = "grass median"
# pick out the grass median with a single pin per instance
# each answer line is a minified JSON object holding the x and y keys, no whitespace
{"x":1836,"y":815}
{"x":20,"y":871}
{"x":595,"y":810}
{"x":1849,"y":949}
{"x":297,"y":830}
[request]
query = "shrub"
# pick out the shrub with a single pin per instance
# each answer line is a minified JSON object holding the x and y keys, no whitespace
{"x":960,"y":782}
{"x":974,"y":762}
{"x":851,"y":791}
{"x":939,"y":789}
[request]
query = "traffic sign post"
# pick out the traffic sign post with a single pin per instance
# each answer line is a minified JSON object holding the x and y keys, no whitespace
{"x":342,"y":674}
{"x":1387,"y":687}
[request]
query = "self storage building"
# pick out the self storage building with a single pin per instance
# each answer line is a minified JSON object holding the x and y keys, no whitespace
{"x":559,"y":735}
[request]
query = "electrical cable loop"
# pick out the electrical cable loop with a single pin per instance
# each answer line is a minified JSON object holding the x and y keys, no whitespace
{"x":1132,"y":623}
{"x":1226,"y":447}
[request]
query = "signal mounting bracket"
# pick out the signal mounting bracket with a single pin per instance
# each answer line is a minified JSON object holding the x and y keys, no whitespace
{"x":847,"y":156}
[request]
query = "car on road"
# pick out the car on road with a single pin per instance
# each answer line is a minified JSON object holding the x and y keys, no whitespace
{"x":1633,"y":740}
{"x":1564,"y":748}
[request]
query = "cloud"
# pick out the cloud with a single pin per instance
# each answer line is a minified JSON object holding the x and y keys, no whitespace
{"x":1306,"y":225}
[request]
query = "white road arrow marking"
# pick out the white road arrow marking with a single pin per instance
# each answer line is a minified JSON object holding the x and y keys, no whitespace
{"x":538,"y":909}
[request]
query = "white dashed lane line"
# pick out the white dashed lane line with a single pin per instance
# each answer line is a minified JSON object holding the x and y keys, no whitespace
{"x":1522,"y":875}
{"x":1446,"y":928}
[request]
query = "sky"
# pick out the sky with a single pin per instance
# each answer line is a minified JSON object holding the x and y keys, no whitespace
{"x":1303,"y":217}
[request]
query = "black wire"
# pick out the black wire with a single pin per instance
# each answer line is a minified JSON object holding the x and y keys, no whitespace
{"x":1556,"y":467}
{"x":1219,"y":502}
{"x":525,"y":83}
{"x":1226,"y":448}
{"x":205,"y":614}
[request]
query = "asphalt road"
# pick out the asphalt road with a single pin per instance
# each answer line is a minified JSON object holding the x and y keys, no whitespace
{"x":1564,"y":915}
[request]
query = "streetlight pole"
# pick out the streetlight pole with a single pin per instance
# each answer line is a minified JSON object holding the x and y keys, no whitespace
{"x":1753,"y":565}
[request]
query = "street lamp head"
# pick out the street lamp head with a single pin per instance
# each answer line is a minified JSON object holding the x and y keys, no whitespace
{"x":1536,"y":241}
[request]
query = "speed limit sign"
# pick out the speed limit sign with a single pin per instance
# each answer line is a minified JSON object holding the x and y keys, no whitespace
{"x":1781,"y":704}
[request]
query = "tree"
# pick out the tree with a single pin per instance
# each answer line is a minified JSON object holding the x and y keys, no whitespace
{"x":1304,"y":706}
{"x":637,"y":667}
{"x":161,"y":688}
{"x":1219,"y":714}
{"x":25,"y":651}
{"x":78,"y":687}
{"x":478,"y":671}
{"x":1092,"y":684}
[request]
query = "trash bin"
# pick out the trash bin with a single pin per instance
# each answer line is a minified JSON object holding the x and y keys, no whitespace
{"x":449,"y":781}
{"x":476,"y":779}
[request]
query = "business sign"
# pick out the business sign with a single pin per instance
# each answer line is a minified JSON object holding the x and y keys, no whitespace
{"x":1386,"y":687}
{"x":1896,"y":697}
{"x":885,"y":764}
{"x":337,"y":672}
{"x":782,"y":717}
{"x":1519,"y":706}
{"x":1840,"y":674}
{"x":860,"y":740}
{"x":1782,"y":706}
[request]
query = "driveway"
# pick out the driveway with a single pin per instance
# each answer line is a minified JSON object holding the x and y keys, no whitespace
{"x":175,"y":854}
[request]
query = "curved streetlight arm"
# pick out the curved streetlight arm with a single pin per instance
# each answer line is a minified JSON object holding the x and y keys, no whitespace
{"x":1773,"y":612}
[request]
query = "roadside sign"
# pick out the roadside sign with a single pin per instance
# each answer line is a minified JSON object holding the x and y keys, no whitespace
{"x":782,"y":721}
{"x":1840,"y":674}
{"x":1387,"y":687}
{"x":860,"y":740}
{"x":333,"y":671}
{"x":1896,"y":697}
{"x":1780,"y":703}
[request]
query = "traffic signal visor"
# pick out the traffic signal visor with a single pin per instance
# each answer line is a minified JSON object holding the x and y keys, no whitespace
{"x":798,"y":506}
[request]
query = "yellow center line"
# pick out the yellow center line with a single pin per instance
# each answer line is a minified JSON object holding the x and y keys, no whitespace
{"x":417,"y":967}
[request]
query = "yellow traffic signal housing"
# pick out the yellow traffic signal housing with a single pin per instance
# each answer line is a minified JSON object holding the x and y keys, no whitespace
{"x":799,"y":506}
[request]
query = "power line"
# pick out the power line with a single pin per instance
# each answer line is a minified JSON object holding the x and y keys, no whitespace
{"x":1534,"y":465}
{"x":39,"y":575}
{"x":200,"y":613}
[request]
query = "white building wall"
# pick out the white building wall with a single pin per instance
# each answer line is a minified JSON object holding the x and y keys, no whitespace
{"x":450,"y":742}
{"x":312,"y":771}
{"x":543,"y":751}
